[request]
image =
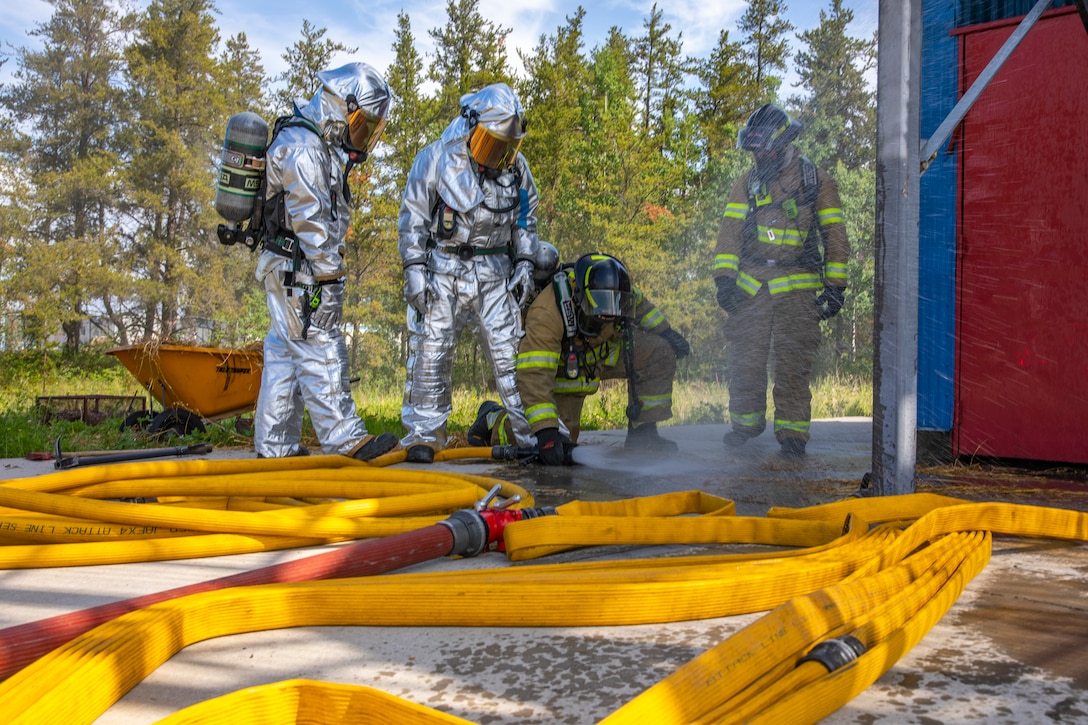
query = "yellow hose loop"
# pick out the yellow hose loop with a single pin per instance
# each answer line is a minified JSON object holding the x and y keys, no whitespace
{"x":85,"y":476}
{"x":45,"y":556}
{"x":833,"y":690}
{"x":669,"y":504}
{"x":331,"y":483}
{"x":876,"y":509}
{"x":928,"y":573}
{"x":108,"y":530}
{"x":537,"y":537}
{"x":710,"y":682}
{"x":309,"y":701}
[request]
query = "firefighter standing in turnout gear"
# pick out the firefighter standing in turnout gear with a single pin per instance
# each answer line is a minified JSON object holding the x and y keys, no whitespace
{"x":301,"y":265}
{"x":468,"y":240}
{"x":590,"y":325}
{"x":774,"y":280}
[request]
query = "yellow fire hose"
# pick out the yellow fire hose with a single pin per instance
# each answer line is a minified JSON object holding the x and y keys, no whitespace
{"x":859,"y":583}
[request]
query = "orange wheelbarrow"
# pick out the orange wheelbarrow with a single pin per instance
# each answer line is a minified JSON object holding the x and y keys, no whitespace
{"x":193,"y":384}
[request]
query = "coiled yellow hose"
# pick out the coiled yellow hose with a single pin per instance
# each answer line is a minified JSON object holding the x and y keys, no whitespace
{"x":885,"y":585}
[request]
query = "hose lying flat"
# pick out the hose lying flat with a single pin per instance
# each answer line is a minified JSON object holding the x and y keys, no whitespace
{"x":845,"y":603}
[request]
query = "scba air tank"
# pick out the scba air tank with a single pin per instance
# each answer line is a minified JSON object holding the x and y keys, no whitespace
{"x":241,"y":167}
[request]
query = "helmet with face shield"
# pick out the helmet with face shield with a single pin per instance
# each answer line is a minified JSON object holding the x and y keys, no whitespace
{"x":356,"y":98}
{"x":768,"y":129}
{"x":497,"y":122}
{"x":602,"y":288}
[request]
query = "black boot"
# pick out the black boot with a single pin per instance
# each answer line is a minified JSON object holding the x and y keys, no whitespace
{"x":420,"y":453}
{"x":479,"y":433}
{"x":375,"y":446}
{"x":645,"y":436}
{"x":793,"y":449}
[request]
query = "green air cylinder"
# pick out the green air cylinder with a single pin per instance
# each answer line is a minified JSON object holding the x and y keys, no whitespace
{"x":241,"y":167}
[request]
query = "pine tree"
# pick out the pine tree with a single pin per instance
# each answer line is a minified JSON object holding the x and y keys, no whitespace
{"x":306,"y":57}
{"x":726,"y":96}
{"x":838,"y":109}
{"x":179,"y":116}
{"x":470,"y":53}
{"x":68,"y":94}
{"x":764,"y":26}
{"x":558,"y":75}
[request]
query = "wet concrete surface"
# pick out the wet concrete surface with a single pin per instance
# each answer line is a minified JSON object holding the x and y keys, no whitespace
{"x":1013,"y":649}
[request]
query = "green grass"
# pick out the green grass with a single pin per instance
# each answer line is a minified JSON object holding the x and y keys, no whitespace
{"x":23,"y":431}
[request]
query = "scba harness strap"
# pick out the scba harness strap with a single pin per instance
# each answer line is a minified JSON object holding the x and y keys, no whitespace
{"x":810,"y":257}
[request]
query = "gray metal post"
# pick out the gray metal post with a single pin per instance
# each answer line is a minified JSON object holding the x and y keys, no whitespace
{"x":895,"y":383}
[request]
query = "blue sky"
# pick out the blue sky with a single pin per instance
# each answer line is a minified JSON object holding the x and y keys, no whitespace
{"x":272,"y":25}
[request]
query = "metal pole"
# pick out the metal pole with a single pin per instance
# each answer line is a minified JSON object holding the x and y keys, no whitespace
{"x":895,"y":383}
{"x":929,"y":151}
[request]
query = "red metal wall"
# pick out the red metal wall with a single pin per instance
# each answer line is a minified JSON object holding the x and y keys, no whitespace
{"x":1022,"y":307}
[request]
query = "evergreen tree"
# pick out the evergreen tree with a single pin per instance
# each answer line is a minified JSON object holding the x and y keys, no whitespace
{"x":242,"y":76}
{"x":764,"y":26}
{"x":838,"y":109}
{"x":180,"y":112}
{"x":558,"y":75}
{"x":727,"y":95}
{"x":412,"y":124}
{"x":659,"y":72}
{"x":307,"y":56}
{"x":69,"y":97}
{"x":470,"y":53}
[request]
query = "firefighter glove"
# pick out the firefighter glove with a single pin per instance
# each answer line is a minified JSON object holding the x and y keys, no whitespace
{"x":727,"y":293}
{"x":416,"y":287}
{"x":677,"y":342}
{"x":830,"y":301}
{"x":552,"y":447}
{"x":329,"y":307}
{"x":521,"y":281}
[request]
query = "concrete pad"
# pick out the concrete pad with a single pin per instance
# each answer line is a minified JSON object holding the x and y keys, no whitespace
{"x":1013,"y":649}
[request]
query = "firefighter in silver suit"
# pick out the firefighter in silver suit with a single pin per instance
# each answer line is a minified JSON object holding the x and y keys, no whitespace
{"x":306,"y":217}
{"x":468,"y":241}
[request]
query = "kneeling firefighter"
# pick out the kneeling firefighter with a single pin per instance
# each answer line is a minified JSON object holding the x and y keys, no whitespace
{"x":590,"y":324}
{"x":306,"y":216}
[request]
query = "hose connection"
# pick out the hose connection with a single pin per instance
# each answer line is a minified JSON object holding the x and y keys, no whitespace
{"x":834,"y":653}
{"x":512,"y":452}
{"x":476,"y":530}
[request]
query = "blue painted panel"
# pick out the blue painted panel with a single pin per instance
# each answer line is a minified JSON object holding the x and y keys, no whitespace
{"x":937,"y":222}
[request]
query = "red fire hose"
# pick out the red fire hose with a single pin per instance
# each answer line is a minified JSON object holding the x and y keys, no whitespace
{"x":464,"y":533}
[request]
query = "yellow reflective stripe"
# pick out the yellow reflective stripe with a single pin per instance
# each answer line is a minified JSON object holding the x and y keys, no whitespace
{"x":830,"y":216}
{"x":504,"y":437}
{"x":538,"y":359}
{"x":730,"y":262}
{"x":655,"y":401}
{"x":800,"y":426}
{"x":778,"y":285}
{"x":736,"y":210}
{"x":577,"y":387}
{"x":749,"y":420}
{"x":835,"y":270}
{"x":652,"y":319}
{"x":543,"y":411}
{"x":779,"y":237}
{"x":748,"y":283}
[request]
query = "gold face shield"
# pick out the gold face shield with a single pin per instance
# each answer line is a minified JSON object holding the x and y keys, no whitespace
{"x":364,"y":128}
{"x":491,"y":150}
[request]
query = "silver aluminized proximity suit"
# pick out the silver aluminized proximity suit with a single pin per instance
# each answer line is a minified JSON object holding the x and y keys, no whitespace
{"x":467,"y":239}
{"x":305,"y":358}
